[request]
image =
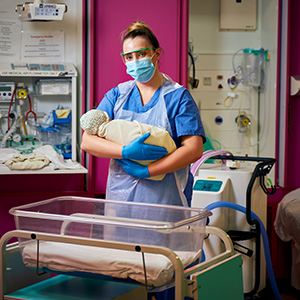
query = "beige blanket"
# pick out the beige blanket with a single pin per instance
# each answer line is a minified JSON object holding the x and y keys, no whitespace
{"x":33,"y":162}
{"x":124,"y":132}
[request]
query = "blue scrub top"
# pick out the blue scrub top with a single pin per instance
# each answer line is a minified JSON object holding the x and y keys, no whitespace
{"x":182,"y":111}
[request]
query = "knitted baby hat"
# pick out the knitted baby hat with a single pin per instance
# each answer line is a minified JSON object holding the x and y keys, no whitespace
{"x":92,"y":119}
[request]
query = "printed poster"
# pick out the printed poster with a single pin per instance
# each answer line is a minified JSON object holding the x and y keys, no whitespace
{"x":10,"y":36}
{"x":43,"y":47}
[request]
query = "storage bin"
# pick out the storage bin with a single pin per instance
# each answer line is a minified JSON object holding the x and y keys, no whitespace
{"x":177,"y":228}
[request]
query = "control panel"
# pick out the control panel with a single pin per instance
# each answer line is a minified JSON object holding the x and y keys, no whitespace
{"x":6,"y":91}
{"x":208,"y":185}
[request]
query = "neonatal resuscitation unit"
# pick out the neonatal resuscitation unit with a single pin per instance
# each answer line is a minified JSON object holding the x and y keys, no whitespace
{"x":37,"y":102}
{"x":241,"y":184}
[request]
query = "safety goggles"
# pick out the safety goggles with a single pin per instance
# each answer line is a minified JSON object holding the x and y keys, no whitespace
{"x":136,"y":54}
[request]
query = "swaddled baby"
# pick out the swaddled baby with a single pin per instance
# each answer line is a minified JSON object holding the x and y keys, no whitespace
{"x":124,"y":132}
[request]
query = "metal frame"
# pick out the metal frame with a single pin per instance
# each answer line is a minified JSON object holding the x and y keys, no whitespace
{"x":183,"y":286}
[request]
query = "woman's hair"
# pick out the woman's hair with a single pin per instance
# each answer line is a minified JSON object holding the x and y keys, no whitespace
{"x":139,"y":28}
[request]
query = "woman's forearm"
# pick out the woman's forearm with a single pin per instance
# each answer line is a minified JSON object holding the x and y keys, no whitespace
{"x":100,"y":147}
{"x":190,"y":151}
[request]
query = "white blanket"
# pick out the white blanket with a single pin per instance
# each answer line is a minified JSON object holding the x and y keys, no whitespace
{"x":7,"y":153}
{"x":57,"y":160}
{"x":111,"y":262}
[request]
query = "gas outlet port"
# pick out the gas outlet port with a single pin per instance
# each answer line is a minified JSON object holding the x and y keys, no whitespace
{"x":219,"y":120}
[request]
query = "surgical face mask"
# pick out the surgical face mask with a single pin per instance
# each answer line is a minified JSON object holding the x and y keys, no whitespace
{"x":141,"y":69}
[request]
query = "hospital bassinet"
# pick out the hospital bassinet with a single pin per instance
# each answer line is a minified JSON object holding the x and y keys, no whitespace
{"x":91,"y":242}
{"x":180,"y":229}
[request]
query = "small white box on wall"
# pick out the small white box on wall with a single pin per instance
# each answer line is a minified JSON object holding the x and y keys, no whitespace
{"x":238,"y":15}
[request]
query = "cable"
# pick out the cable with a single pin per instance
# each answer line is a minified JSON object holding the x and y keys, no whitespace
{"x":193,"y":81}
{"x":23,"y":121}
{"x":10,"y":105}
{"x":233,"y":57}
{"x":230,"y":96}
{"x":206,"y":155}
{"x":30,"y":111}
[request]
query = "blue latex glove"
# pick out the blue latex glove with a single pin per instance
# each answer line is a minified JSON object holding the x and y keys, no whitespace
{"x":133,"y":168}
{"x":137,"y":150}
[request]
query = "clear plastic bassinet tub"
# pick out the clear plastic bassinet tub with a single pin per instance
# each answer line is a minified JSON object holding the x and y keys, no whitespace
{"x":180,"y":229}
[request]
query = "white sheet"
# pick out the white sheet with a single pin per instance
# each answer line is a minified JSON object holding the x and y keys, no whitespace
{"x":6,"y":154}
{"x":111,"y":262}
{"x":57,"y":160}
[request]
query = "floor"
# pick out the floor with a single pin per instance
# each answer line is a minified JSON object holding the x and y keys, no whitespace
{"x":289,"y":297}
{"x":284,"y":296}
{"x":286,"y":292}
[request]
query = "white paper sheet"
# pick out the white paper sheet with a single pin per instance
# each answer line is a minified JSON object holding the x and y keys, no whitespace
{"x":10,"y":35}
{"x":43,"y":47}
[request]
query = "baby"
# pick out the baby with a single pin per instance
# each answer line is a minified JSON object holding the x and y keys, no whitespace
{"x":124,"y":132}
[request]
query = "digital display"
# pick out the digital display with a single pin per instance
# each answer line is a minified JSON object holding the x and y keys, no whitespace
{"x":207,"y":185}
{"x":5,"y":89}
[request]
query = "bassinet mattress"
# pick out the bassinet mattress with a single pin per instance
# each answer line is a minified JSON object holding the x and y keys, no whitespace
{"x":61,"y":257}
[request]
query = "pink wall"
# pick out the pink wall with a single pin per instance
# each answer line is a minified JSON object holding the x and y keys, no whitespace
{"x":113,"y":17}
{"x":165,"y":18}
{"x":22,"y":189}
